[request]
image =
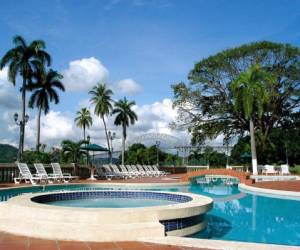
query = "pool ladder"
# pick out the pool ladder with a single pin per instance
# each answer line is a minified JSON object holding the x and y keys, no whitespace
{"x":43,"y":183}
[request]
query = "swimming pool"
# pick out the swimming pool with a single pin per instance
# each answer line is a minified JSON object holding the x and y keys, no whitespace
{"x":236,"y":216}
{"x":110,"y":203}
{"x":110,"y":199}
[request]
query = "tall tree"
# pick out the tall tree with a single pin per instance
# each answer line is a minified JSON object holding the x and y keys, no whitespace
{"x":124,"y":117}
{"x":101,"y":98}
{"x":72,"y":151}
{"x":250,"y":97}
{"x":23,"y":60}
{"x":205,"y":105}
{"x":83,"y":120}
{"x":44,"y":88}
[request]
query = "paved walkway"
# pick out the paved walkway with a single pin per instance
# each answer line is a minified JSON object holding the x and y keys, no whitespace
{"x":172,"y":178}
{"x":279,"y":185}
{"x":14,"y":242}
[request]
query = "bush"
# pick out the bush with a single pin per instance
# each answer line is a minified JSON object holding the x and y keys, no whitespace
{"x":31,"y":157}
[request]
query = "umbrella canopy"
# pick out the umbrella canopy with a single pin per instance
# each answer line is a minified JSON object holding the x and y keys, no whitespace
{"x":245,"y":155}
{"x":94,"y":147}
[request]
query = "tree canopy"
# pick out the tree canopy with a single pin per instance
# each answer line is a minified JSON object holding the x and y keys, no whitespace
{"x":205,"y":105}
{"x":282,"y":144}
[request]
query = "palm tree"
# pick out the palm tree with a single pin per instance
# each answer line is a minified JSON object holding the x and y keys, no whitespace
{"x":101,"y":98}
{"x":44,"y":91}
{"x":84,"y":120}
{"x":124,"y":117}
{"x":250,"y":97}
{"x":23,"y":60}
{"x":73,"y":151}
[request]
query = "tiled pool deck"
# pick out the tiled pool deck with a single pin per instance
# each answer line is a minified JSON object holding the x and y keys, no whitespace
{"x":177,"y":178}
{"x":279,"y":185}
{"x":14,"y":242}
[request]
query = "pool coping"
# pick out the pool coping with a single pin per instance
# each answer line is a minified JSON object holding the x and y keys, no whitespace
{"x":26,"y":199}
{"x":217,"y":244}
{"x":270,"y":192}
{"x":137,"y":222}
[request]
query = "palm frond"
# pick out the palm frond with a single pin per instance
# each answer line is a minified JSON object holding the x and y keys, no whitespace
{"x":19,"y":41}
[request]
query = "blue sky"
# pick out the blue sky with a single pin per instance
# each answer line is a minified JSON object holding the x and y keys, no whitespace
{"x":154,"y":43}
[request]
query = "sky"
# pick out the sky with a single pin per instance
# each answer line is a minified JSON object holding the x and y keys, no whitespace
{"x":138,"y":47}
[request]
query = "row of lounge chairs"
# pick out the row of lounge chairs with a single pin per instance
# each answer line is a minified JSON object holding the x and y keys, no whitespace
{"x":271,"y":169}
{"x":112,"y":171}
{"x":41,"y":175}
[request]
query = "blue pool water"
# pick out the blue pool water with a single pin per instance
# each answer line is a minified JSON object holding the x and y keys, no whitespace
{"x":111,"y":203}
{"x":236,"y":216}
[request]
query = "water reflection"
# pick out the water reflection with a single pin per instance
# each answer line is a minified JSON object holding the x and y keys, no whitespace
{"x":217,"y":227}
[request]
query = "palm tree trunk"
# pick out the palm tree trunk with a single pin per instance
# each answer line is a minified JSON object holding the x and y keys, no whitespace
{"x":38,"y":132}
{"x":123,"y":144}
{"x":22,"y":122}
{"x":84,"y":132}
{"x":253,"y":147}
{"x":107,"y":139}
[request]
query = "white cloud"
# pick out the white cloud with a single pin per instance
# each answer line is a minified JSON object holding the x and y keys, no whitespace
{"x":83,"y":74}
{"x":152,"y":118}
{"x":55,"y":127}
{"x":9,"y":97}
{"x":128,"y":87}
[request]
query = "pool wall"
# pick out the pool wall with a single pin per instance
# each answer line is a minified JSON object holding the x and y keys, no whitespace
{"x":21,"y":215}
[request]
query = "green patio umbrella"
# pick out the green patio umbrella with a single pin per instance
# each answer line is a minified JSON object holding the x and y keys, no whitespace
{"x":245,"y":155}
{"x":94,"y":147}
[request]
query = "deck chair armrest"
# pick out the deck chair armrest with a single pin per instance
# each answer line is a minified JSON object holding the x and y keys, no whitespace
{"x":38,"y":175}
{"x":53,"y":175}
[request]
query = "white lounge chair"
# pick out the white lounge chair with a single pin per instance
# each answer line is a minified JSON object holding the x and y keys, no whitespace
{"x":155,"y":168}
{"x":132,"y":171}
{"x":125,"y":171}
{"x":102,"y":172}
{"x":135,"y":170}
{"x":110,"y":171}
{"x":154,"y":172}
{"x":269,"y":169}
{"x":41,"y":171}
{"x":116,"y":171}
{"x":26,"y":175}
{"x":150,"y":171}
{"x":57,"y":172}
{"x":284,"y":169}
{"x":142,"y":170}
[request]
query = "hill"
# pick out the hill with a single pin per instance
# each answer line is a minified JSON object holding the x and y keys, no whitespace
{"x":8,"y":153}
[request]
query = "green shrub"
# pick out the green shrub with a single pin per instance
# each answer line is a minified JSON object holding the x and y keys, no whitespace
{"x":31,"y":157}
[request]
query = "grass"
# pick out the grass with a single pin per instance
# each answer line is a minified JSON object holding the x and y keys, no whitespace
{"x":295,"y":170}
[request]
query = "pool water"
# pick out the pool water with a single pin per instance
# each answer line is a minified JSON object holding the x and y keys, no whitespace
{"x":236,"y":216}
{"x":111,"y":203}
{"x":254,"y":219}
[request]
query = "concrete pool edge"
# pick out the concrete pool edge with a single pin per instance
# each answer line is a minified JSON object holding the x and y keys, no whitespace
{"x":216,"y":244}
{"x":22,"y":216}
{"x":273,"y":193}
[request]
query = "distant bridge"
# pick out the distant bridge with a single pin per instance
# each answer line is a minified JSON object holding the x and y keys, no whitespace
{"x":169,"y":142}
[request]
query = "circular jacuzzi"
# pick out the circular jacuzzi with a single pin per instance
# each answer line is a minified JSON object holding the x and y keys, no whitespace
{"x":111,"y":199}
{"x":109,"y":215}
